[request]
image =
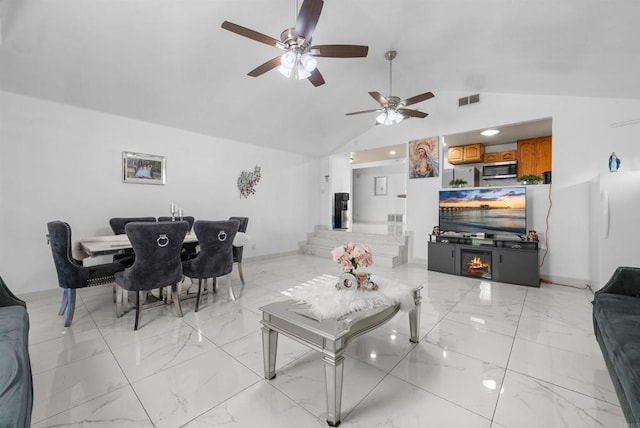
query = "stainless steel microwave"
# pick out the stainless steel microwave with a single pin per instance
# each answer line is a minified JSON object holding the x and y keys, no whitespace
{"x":492,"y":171}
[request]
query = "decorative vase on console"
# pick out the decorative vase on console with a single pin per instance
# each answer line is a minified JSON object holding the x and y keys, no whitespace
{"x":351,"y":256}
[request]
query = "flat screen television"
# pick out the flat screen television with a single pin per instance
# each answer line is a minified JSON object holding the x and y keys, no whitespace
{"x":488,"y":210}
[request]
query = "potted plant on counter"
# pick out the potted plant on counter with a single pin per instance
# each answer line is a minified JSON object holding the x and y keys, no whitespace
{"x":530,"y":179}
{"x":457,"y":182}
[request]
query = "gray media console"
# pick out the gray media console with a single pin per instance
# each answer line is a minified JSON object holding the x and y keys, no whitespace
{"x":502,"y":260}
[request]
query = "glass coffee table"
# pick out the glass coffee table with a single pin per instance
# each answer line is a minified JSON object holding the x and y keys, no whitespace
{"x":328,"y":336}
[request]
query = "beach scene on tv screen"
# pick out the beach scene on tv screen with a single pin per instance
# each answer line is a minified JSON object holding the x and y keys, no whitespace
{"x":484,"y":210}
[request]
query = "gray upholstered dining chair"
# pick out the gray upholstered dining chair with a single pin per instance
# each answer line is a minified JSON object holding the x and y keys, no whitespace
{"x":126,"y":257}
{"x":237,"y":251}
{"x":189,"y":249}
{"x":188,"y":219}
{"x":215,"y":258}
{"x":157,"y":263}
{"x":72,"y":274}
{"x":118,"y":223}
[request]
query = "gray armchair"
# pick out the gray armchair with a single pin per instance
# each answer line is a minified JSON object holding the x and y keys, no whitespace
{"x":616,"y":324}
{"x":237,"y":251}
{"x":71,"y":272}
{"x":215,"y":258}
{"x":16,"y":382}
{"x":157,"y":264}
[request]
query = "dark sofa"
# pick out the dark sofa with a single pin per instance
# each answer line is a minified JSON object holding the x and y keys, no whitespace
{"x":16,"y":384}
{"x":616,"y":322}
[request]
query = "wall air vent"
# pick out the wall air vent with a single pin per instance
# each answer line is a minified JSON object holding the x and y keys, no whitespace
{"x":471,"y":99}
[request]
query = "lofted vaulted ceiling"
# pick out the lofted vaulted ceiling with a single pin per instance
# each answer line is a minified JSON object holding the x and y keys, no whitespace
{"x":169,"y":61}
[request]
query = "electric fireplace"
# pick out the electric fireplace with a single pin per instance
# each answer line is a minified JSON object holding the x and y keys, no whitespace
{"x":475,"y":263}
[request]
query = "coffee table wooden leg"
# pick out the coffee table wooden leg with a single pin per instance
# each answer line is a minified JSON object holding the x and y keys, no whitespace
{"x":333,"y":370}
{"x":269,"y":349}
{"x":414,"y":316}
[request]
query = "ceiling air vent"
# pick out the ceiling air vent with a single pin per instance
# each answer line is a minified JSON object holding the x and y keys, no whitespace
{"x":471,"y":99}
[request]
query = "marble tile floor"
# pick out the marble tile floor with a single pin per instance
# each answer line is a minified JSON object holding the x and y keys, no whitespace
{"x":490,"y":355}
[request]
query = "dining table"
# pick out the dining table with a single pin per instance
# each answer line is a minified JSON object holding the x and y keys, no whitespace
{"x":105,"y":245}
{"x":94,"y":246}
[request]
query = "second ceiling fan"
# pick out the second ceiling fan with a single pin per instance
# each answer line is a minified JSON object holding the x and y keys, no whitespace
{"x":299,"y":59}
{"x":393,"y":109}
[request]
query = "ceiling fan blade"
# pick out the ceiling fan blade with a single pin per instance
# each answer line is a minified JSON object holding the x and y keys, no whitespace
{"x":379,"y":98}
{"x":308,"y":18}
{"x":339,"y":51}
{"x":417,"y":98}
{"x":364,"y":111}
{"x":253,"y":35}
{"x":412,"y":113}
{"x":267,"y":66}
{"x":316,"y":78}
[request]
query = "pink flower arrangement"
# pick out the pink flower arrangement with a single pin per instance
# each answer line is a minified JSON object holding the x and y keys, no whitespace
{"x":350,"y":256}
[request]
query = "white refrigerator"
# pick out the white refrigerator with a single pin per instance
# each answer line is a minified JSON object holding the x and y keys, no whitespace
{"x":615,"y":224}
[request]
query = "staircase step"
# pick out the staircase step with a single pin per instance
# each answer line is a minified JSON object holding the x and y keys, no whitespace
{"x":384,"y":260}
{"x":346,"y":236}
{"x":374,"y":247}
{"x":387,"y":250}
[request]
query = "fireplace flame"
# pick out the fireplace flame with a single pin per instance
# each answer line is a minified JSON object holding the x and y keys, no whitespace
{"x":476,"y":264}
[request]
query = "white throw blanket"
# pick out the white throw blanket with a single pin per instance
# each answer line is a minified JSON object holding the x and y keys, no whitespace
{"x":326,"y":301}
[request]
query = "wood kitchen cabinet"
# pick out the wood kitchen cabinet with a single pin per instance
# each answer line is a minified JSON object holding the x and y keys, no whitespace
{"x":470,"y":153}
{"x":504,"y":156}
{"x":534,"y":156}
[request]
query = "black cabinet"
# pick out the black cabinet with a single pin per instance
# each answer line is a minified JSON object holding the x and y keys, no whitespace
{"x":516,"y":266}
{"x":442,"y":257}
{"x":512,"y":261}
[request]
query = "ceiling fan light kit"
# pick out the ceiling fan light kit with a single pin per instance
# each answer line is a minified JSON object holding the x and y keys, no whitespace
{"x":296,"y":65}
{"x":389,"y":117}
{"x":299,"y":60}
{"x":392,"y":109}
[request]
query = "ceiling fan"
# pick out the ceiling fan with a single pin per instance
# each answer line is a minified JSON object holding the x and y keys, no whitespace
{"x":392,"y":109}
{"x":299,"y":60}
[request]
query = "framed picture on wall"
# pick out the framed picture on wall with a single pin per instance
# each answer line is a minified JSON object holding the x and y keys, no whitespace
{"x":380,"y":186}
{"x":143,"y":169}
{"x":424,"y":158}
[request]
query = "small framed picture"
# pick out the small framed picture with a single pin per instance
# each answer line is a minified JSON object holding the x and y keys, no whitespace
{"x":143,"y":169}
{"x":380,"y":186}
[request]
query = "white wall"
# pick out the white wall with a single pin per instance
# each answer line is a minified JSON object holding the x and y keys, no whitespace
{"x":370,"y":208}
{"x":64,"y":163}
{"x":584,"y":134}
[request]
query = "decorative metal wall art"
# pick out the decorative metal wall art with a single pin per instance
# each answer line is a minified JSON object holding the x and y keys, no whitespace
{"x":247,"y":182}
